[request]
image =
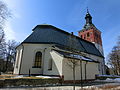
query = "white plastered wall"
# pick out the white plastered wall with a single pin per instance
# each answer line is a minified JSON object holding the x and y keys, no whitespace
{"x":56,"y":64}
{"x":18,"y":59}
{"x":59,"y":66}
{"x":28,"y":58}
{"x":27,"y":62}
{"x":91,"y":70}
{"x":100,"y":60}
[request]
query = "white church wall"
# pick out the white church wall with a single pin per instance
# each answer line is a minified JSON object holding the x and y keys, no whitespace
{"x":56,"y":64}
{"x":29,"y":57}
{"x":91,"y":70}
{"x":18,"y":59}
{"x":101,"y":64}
{"x":59,"y":63}
{"x":68,"y":70}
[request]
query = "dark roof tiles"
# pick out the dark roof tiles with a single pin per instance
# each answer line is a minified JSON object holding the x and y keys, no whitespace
{"x":50,"y":34}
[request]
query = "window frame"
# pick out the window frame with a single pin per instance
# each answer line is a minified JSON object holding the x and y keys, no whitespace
{"x":38,"y":60}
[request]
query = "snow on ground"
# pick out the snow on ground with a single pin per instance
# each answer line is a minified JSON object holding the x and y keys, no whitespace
{"x":21,"y":76}
{"x":117,"y":80}
{"x":47,"y":77}
{"x":113,"y":80}
{"x":18,"y":76}
{"x":108,"y":76}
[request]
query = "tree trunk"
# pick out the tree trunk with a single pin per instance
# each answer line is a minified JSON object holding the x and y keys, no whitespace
{"x":6,"y":64}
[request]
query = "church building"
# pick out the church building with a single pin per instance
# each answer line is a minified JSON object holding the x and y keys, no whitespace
{"x":50,"y":51}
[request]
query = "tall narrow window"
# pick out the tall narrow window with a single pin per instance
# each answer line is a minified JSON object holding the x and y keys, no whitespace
{"x":88,"y":34}
{"x":38,"y":60}
{"x":81,"y":36}
{"x":84,"y":37}
{"x":50,"y":64}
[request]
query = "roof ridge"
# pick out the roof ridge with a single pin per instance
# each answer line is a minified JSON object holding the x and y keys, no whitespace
{"x":63,"y":31}
{"x":56,"y":35}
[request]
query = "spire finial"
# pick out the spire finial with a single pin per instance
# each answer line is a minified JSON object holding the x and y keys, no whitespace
{"x":88,"y":17}
{"x":87,"y":10}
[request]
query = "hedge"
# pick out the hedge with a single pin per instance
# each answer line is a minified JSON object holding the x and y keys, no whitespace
{"x":29,"y":82}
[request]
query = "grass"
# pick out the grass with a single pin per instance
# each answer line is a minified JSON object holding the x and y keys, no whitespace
{"x":13,"y":77}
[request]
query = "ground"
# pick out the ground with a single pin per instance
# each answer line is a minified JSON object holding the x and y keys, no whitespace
{"x":108,"y":84}
{"x":91,"y":86}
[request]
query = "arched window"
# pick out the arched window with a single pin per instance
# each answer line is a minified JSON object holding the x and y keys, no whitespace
{"x":38,"y":60}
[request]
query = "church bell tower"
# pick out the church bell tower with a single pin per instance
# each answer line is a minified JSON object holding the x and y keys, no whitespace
{"x":91,"y":33}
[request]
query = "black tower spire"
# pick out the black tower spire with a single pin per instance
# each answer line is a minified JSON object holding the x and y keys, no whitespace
{"x":88,"y":18}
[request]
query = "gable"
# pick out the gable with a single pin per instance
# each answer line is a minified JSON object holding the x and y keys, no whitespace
{"x":47,"y":34}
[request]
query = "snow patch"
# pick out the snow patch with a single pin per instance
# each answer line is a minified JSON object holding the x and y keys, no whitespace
{"x":19,"y":76}
{"x":109,"y":80}
{"x":108,"y":76}
{"x":47,"y":77}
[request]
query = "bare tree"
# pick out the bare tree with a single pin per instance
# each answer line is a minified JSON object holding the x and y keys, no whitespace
{"x":114,"y":58}
{"x":2,"y":45}
{"x":74,"y":53}
{"x":4,"y":14}
{"x":10,"y":52}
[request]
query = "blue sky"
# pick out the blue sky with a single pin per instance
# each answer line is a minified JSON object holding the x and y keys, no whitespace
{"x":64,"y":14}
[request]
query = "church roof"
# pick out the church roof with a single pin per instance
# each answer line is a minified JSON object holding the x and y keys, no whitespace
{"x":48,"y":34}
{"x":75,"y":56}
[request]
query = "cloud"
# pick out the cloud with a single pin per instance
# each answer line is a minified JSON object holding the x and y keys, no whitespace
{"x":9,"y":32}
{"x":13,"y":6}
{"x":11,"y":3}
